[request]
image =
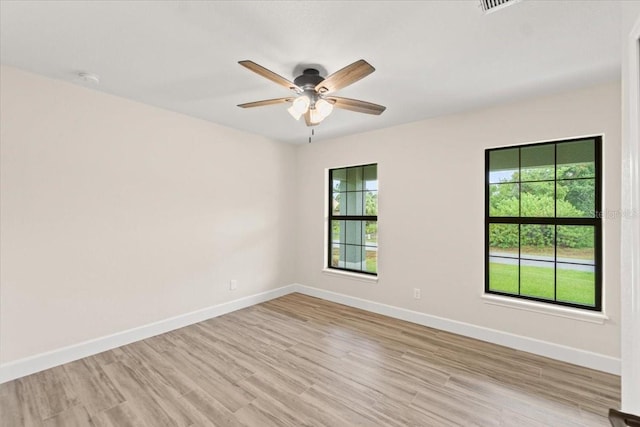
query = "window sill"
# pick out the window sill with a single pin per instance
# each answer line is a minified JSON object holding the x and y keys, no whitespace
{"x":349,"y":275}
{"x":536,"y":307}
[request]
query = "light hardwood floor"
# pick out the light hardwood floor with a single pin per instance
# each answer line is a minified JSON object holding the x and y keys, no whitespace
{"x":301,"y":361}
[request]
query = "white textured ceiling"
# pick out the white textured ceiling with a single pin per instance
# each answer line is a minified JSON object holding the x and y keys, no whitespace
{"x":431,"y":57}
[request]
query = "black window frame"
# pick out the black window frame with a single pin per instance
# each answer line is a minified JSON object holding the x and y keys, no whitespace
{"x":596,"y":222}
{"x":332,"y":217}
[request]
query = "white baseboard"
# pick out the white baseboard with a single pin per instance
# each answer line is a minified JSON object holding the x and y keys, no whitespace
{"x":40,"y":362}
{"x":567,"y":354}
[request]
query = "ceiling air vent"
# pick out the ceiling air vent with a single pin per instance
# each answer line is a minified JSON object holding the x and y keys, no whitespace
{"x":489,"y":6}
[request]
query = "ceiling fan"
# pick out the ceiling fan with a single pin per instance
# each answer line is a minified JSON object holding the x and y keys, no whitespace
{"x":314,"y":99}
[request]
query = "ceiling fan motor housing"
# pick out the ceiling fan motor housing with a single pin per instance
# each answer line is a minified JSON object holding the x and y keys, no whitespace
{"x":308,"y":79}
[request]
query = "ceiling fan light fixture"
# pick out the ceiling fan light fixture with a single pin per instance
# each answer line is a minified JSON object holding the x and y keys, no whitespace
{"x":299,"y":107}
{"x":324,"y":107}
{"x":315,"y":116}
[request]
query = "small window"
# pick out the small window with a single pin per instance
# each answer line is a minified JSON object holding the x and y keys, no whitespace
{"x":353,"y":219}
{"x":543,"y":222}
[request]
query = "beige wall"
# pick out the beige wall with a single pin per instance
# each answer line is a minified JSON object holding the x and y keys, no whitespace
{"x":115,"y":214}
{"x":431,"y":211}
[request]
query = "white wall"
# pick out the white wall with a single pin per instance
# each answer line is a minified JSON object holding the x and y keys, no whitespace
{"x":631,"y":205}
{"x":431,"y":212}
{"x":115,"y":214}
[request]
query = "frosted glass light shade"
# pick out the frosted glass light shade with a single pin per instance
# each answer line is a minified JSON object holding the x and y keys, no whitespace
{"x":299,"y":107}
{"x":316,"y":117}
{"x":324,"y":107}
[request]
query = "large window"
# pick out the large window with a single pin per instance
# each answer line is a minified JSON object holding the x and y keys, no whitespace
{"x":543,"y":222}
{"x":353,"y":219}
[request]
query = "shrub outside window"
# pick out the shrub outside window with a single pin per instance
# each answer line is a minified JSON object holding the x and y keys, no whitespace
{"x":543,"y":222}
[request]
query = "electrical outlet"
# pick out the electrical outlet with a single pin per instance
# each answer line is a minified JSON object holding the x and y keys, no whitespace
{"x":416,"y":293}
{"x":233,"y":285}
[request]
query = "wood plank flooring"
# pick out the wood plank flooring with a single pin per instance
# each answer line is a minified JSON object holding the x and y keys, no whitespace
{"x":301,"y":361}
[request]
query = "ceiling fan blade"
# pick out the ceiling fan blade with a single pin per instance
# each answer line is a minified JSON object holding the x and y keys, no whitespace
{"x":265,"y":102}
{"x":346,"y":76}
{"x":268,"y":74}
{"x":356,"y":105}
